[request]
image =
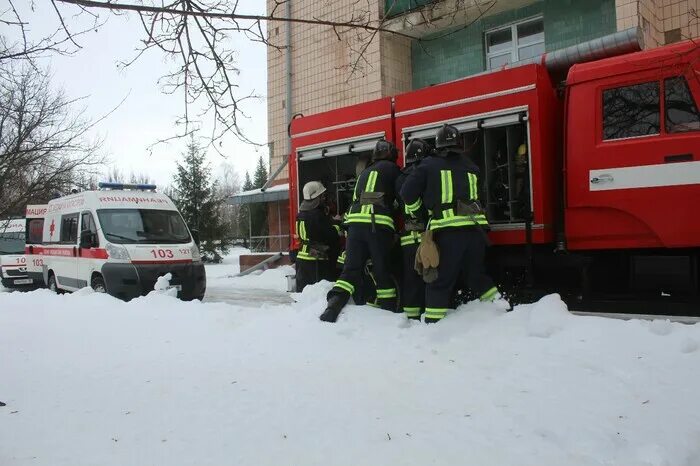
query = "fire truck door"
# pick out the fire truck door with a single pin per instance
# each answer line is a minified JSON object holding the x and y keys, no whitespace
{"x":644,"y":176}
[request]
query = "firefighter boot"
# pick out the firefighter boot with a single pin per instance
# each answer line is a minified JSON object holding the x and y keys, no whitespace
{"x":335,"y":304}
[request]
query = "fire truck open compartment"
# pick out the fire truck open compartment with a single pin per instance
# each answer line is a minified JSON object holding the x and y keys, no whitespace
{"x":337,"y":173}
{"x":493,"y":145}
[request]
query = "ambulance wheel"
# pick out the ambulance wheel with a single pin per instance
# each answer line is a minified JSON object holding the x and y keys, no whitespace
{"x":98,"y":284}
{"x":53,"y":285}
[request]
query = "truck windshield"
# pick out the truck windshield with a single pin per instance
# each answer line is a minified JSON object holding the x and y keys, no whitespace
{"x":12,"y":243}
{"x":128,"y":226}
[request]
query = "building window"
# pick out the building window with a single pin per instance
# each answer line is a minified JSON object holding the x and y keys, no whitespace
{"x":681,"y":113}
{"x":514,"y":43}
{"x":631,"y":111}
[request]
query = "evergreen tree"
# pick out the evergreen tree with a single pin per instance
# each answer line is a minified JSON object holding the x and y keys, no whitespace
{"x":260,"y":174}
{"x":258,"y":212}
{"x":247,"y":184}
{"x":196,"y":198}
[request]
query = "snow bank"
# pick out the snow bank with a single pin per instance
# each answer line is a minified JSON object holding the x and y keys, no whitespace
{"x":90,"y":380}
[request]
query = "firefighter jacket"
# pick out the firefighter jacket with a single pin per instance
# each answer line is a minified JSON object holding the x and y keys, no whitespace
{"x":318,"y":235}
{"x":414,"y":223}
{"x":374,"y":195}
{"x":447,"y":186}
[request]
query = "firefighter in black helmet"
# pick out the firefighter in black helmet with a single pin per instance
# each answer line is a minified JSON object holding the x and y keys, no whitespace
{"x":370,"y":232}
{"x":412,"y":284}
{"x":447,"y":185}
{"x":318,"y":236}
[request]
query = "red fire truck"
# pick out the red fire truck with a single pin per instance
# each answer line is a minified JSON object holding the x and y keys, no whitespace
{"x":591,"y":183}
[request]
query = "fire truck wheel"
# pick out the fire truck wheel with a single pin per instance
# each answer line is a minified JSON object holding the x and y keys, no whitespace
{"x":98,"y":284}
{"x":53,"y":286}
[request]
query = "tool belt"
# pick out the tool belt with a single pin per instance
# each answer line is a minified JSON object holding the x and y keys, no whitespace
{"x":372,"y":198}
{"x":316,"y":250}
{"x":468,"y":208}
{"x":413,"y":224}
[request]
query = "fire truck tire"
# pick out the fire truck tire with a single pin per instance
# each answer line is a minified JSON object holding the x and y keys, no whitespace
{"x":53,"y":285}
{"x":98,"y":284}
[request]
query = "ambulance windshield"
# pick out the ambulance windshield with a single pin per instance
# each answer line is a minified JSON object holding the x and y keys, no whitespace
{"x":146,"y":226}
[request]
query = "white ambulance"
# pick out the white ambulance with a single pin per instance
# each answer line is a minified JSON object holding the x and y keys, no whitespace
{"x":13,"y":264}
{"x":32,"y":244}
{"x":119,"y":240}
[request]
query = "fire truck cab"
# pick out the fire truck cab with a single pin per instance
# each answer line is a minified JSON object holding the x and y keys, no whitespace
{"x":119,"y":240}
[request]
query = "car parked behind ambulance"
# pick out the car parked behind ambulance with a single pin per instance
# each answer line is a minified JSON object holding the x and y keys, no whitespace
{"x":13,"y":264}
{"x":119,"y":240}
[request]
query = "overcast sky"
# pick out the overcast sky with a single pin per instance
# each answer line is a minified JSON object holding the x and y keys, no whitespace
{"x":147,"y":114}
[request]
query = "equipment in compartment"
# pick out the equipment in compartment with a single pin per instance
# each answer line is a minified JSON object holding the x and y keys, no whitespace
{"x":502,"y":156}
{"x":337,"y":174}
{"x":506,"y":173}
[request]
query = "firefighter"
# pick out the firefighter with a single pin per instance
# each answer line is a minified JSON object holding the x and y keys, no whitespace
{"x":446,"y":185}
{"x":370,"y":233}
{"x":319,"y":238}
{"x":412,"y":285}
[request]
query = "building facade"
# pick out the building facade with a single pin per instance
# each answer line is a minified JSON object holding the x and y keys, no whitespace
{"x":314,"y":68}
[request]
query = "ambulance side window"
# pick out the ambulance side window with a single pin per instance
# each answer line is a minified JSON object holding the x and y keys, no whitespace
{"x":631,"y":111}
{"x":681,"y":111}
{"x":69,"y":228}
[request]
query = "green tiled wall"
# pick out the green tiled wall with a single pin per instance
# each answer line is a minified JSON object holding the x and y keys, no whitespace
{"x":396,"y":7}
{"x":456,"y":53}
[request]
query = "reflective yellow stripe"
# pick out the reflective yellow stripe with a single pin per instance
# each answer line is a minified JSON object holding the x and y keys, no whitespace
{"x":411,"y":238}
{"x":412,"y":311}
{"x":415,"y":206}
{"x":435,"y":312}
{"x":367,"y":218}
{"x":386,"y":293}
{"x":473,"y":189}
{"x":303,"y":255}
{"x":444,"y":175}
{"x":489,"y":295}
{"x":341,"y":258}
{"x":346,"y":286}
{"x":458,"y":221}
{"x":373,"y":305}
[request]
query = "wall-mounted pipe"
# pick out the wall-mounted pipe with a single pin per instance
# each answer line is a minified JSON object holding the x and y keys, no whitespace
{"x":619,"y":43}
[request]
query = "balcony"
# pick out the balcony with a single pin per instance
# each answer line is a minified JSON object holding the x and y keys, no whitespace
{"x":423,"y":17}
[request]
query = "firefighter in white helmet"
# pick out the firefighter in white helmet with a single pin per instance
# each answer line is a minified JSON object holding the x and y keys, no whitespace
{"x":318,"y":237}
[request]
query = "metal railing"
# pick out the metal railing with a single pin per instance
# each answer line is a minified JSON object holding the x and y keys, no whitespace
{"x":269,"y":243}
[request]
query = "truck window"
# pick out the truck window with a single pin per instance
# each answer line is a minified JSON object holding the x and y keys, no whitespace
{"x":681,"y":111}
{"x":69,"y":228}
{"x":631,"y":111}
{"x":35,"y":229}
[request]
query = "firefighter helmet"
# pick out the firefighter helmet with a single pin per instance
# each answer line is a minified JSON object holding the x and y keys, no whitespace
{"x":416,"y":150}
{"x":384,"y":150}
{"x":313,"y":189}
{"x":447,"y":136}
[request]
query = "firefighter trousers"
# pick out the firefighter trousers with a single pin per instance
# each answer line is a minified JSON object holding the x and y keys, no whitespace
{"x":310,"y":272}
{"x":461,"y":250}
{"x":363,"y":243}
{"x":412,"y":284}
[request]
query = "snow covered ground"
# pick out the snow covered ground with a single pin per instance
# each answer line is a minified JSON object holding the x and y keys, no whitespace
{"x":90,"y":380}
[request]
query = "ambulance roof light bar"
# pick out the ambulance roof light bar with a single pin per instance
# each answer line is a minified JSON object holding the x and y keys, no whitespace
{"x":104,"y":186}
